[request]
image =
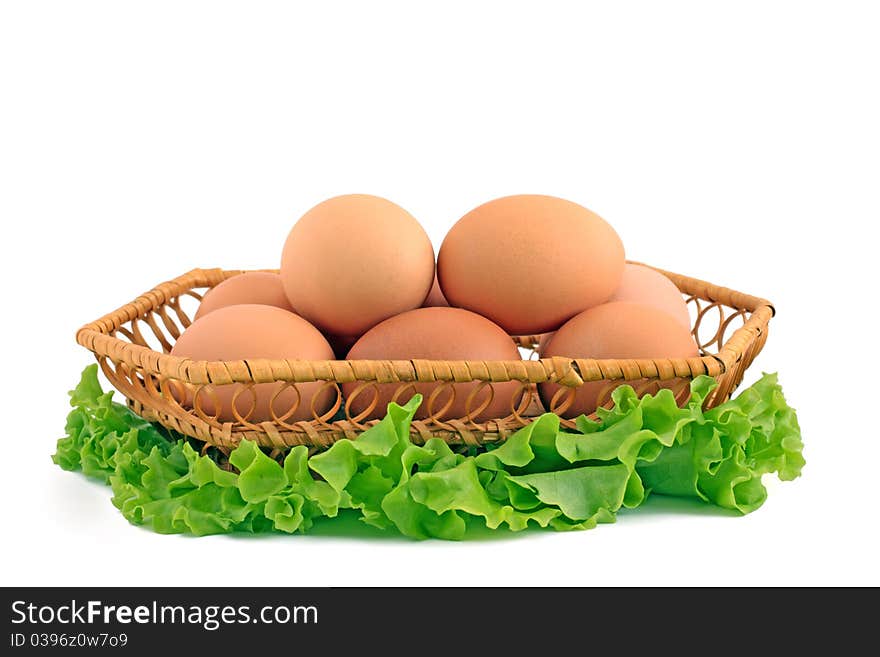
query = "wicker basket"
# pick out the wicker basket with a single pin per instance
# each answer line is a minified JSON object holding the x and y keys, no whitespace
{"x":132,"y":343}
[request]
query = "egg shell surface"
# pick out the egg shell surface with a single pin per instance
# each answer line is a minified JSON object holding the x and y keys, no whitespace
{"x":352,"y":261}
{"x":615,"y":330}
{"x":250,"y":331}
{"x":436,"y":334}
{"x":530,"y":262}
{"x":252,"y":287}
{"x":647,"y":286}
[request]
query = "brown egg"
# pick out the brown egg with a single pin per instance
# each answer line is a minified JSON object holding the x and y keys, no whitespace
{"x":436,"y":334}
{"x":615,"y":330}
{"x":251,"y":331}
{"x":260,"y":287}
{"x":435,"y":297}
{"x":529,"y":262}
{"x":649,"y":287}
{"x":353,"y":261}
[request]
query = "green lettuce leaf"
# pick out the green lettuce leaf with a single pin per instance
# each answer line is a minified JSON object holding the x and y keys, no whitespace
{"x":98,"y":427}
{"x":541,"y":475}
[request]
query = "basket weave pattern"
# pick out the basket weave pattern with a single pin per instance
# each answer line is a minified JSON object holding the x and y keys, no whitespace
{"x":131,"y":344}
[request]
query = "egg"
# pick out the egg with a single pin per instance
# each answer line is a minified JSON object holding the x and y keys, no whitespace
{"x":647,"y":286}
{"x":437,"y":334}
{"x":353,"y":261}
{"x":256,"y":287}
{"x":641,"y":284}
{"x":615,"y":330}
{"x":529,"y":262}
{"x":250,"y":331}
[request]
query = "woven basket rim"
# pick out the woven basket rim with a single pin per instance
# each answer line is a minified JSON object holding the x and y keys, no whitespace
{"x":96,"y":337}
{"x":155,"y":310}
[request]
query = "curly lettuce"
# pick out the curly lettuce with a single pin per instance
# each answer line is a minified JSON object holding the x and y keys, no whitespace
{"x":541,"y":475}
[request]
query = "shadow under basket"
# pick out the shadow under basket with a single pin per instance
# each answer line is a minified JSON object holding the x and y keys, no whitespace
{"x":132,"y":346}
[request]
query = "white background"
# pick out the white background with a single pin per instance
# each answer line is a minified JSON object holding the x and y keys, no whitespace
{"x":738,"y":143}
